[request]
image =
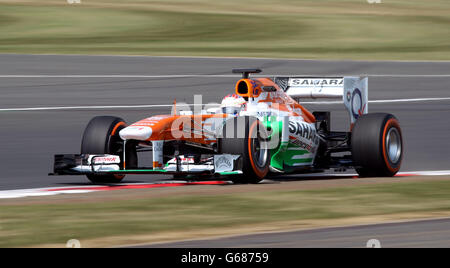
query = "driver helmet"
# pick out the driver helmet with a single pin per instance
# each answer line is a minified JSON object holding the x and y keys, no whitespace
{"x":232,"y":104}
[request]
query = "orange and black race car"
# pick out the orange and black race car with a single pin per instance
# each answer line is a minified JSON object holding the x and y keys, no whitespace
{"x":259,"y":129}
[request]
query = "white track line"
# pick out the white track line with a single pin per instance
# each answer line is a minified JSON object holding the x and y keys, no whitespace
{"x":409,"y":100}
{"x":149,"y":106}
{"x":219,"y":76}
{"x":405,"y":75}
{"x":93,"y":107}
{"x":85,"y":107}
{"x":121,"y":76}
{"x":383,"y":101}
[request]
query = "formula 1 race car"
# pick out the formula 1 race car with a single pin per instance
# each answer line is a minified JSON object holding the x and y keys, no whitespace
{"x":258,"y":130}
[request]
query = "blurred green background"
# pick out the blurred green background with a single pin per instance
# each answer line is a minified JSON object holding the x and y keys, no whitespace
{"x":316,"y":29}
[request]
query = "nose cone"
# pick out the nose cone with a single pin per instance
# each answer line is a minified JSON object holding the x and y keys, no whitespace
{"x":139,"y":133}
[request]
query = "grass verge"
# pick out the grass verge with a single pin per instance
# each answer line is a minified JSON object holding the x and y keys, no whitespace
{"x":54,"y":224}
{"x":326,"y":29}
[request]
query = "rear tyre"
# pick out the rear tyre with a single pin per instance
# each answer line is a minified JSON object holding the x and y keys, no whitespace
{"x":101,"y":136}
{"x":245,"y":136}
{"x":377,"y":145}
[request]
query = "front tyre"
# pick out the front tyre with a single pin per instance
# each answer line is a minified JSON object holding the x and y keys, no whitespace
{"x":377,"y":145}
{"x":246,"y":136}
{"x":101,"y":136}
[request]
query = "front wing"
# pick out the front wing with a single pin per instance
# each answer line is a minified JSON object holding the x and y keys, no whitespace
{"x":85,"y":164}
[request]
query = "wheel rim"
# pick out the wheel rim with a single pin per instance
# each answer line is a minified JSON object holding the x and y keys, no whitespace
{"x":393,"y":145}
{"x":260,"y":152}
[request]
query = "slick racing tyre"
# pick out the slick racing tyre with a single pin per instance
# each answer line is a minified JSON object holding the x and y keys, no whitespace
{"x":377,"y":145}
{"x":101,"y":136}
{"x":245,"y":136}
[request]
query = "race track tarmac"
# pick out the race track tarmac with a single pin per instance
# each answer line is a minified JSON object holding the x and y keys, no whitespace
{"x":414,"y":234}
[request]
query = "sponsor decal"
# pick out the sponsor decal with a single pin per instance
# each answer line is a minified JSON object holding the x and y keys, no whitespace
{"x":112,"y":159}
{"x":157,"y":153}
{"x":357,"y":103}
{"x":187,"y":160}
{"x":256,"y":88}
{"x":263,"y":113}
{"x":157,"y":146}
{"x":151,"y":121}
{"x":183,"y":160}
{"x":303,"y":145}
{"x":303,"y":130}
{"x":282,"y":82}
{"x":223,"y":163}
{"x":299,"y":82}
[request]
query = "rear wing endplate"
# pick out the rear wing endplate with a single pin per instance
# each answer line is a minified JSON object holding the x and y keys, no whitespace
{"x":352,"y":90}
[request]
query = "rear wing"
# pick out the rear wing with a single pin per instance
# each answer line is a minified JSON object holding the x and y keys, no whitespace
{"x":352,"y":90}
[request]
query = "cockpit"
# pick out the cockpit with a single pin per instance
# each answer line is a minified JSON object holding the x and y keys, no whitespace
{"x":232,"y":104}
